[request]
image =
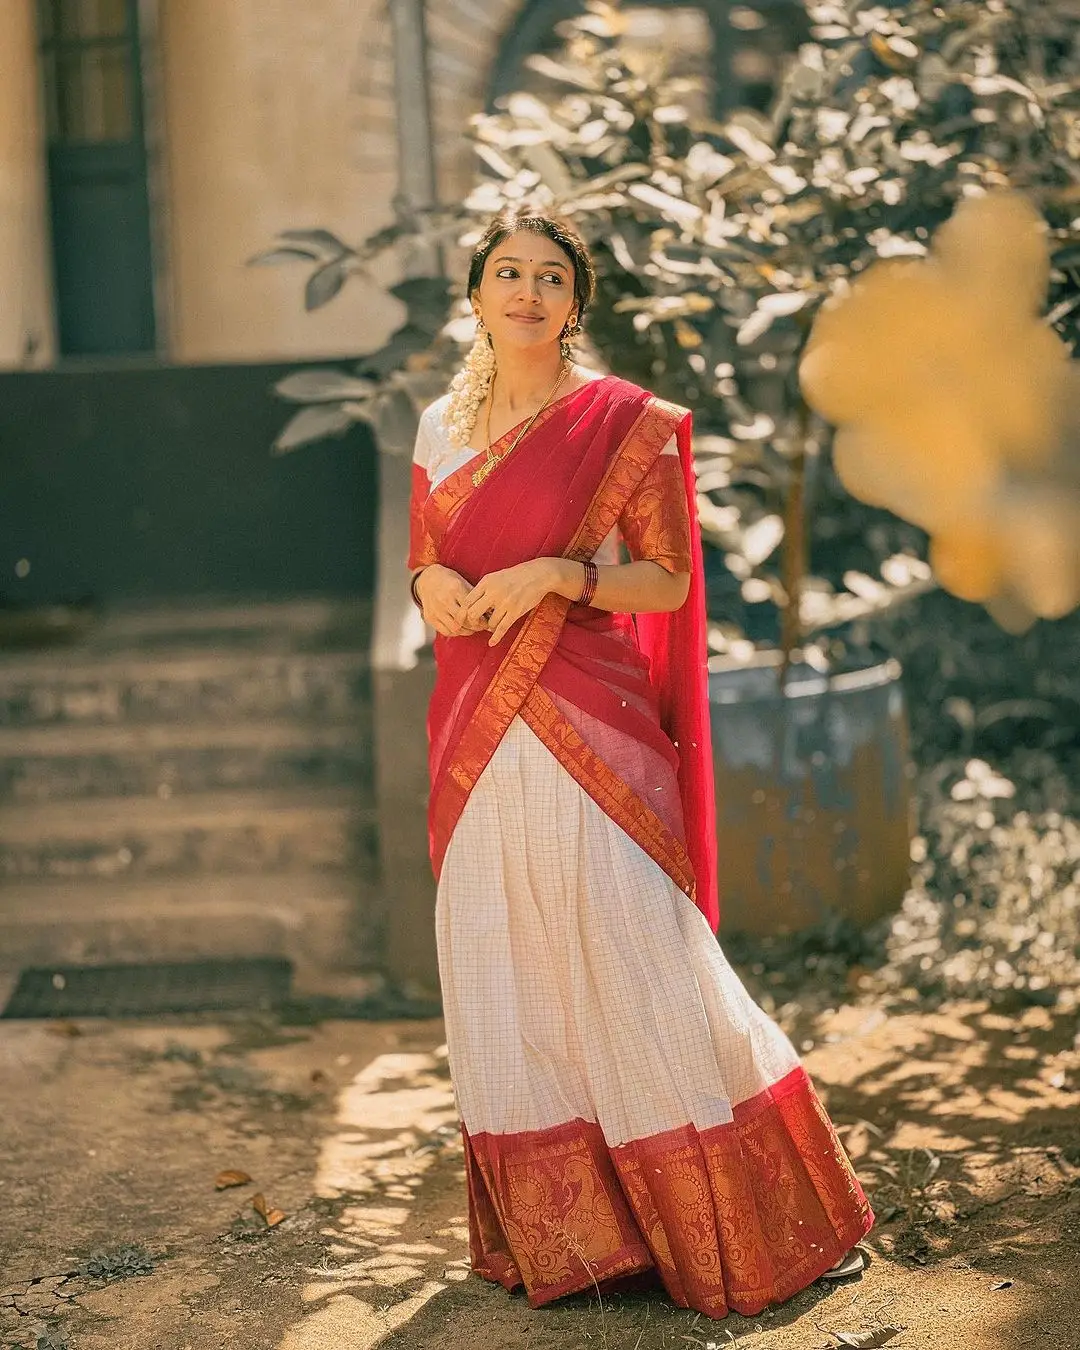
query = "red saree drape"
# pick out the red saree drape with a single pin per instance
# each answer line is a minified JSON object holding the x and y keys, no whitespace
{"x":627,"y":1110}
{"x":620,"y":701}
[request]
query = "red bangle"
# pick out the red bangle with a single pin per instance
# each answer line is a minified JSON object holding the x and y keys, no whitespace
{"x":588,"y":590}
{"x":412,"y":587}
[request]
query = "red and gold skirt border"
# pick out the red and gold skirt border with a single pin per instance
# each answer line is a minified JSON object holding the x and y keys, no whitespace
{"x":735,"y":1217}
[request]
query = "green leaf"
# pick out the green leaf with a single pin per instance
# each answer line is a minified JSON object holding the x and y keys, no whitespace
{"x":551,"y":167}
{"x":323,"y":384}
{"x":324,"y":284}
{"x":323,"y":242}
{"x":563,"y":74}
{"x":770,"y":308}
{"x":494,"y":160}
{"x":286,"y":254}
{"x":676,"y":207}
{"x":314,"y":424}
{"x":749,"y":132}
{"x":395,"y":420}
{"x":427,"y":299}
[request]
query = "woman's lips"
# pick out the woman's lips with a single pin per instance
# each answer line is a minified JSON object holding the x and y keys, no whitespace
{"x":526,"y":318}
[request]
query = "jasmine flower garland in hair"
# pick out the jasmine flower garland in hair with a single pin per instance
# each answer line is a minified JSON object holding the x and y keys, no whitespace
{"x":468,"y":389}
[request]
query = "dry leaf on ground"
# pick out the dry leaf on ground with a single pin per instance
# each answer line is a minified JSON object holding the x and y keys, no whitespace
{"x":866,"y":1340}
{"x":272,"y":1217}
{"x":224,"y":1180}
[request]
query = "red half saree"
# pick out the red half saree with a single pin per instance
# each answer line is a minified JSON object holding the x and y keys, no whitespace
{"x":627,"y":1108}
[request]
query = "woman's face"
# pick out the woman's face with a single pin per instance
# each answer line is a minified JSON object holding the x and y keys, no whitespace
{"x":526,"y":293}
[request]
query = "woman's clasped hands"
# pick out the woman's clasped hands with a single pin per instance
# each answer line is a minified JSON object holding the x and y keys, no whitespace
{"x":501,"y":598}
{"x":493,"y":605}
{"x":442,"y":593}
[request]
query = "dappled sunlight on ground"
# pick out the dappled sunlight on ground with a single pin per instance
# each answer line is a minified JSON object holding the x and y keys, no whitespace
{"x":115,"y":1132}
{"x":394,"y":1122}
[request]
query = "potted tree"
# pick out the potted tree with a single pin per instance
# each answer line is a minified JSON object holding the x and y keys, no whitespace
{"x":716,"y":242}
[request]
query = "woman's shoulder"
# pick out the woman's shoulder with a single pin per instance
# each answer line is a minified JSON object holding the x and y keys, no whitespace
{"x":433,"y":416}
{"x":431,"y":435}
{"x":627,"y":389}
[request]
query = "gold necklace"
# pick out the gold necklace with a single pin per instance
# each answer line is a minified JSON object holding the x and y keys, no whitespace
{"x":491,"y":460}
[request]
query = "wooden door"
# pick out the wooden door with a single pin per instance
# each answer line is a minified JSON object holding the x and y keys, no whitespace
{"x":97,"y":176}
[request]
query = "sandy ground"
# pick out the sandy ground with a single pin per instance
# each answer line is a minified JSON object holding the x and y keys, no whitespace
{"x":114,"y":1133}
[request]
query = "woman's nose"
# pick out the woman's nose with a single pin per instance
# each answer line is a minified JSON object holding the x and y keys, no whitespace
{"x":530,"y":289}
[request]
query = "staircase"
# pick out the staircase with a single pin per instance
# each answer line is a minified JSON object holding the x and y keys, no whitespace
{"x":193,"y":782}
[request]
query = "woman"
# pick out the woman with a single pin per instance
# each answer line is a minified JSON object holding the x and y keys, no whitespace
{"x":627,"y":1109}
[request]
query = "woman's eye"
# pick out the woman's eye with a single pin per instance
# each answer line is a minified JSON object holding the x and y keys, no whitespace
{"x":511,"y":274}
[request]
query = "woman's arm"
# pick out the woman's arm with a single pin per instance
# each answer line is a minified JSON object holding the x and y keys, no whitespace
{"x":627,"y":588}
{"x":635,"y":588}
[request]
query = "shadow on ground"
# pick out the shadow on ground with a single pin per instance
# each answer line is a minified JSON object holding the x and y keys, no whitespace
{"x":963,"y":1122}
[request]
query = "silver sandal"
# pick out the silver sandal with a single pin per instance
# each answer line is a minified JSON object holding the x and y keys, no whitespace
{"x":854,"y":1263}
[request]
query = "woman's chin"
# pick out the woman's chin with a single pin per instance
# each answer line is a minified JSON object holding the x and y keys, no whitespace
{"x":526,"y":337}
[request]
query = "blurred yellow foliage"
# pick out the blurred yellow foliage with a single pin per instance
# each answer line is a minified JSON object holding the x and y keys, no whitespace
{"x":958,"y":409}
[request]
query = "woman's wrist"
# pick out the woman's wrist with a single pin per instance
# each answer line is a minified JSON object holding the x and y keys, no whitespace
{"x":414,"y":586}
{"x":567,"y":579}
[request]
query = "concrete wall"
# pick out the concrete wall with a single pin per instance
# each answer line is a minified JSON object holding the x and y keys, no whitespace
{"x":143,"y":483}
{"x":26,"y":319}
{"x":260,"y":135}
{"x":273,"y":115}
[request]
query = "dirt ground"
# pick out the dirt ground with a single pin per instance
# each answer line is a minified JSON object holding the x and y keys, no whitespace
{"x":113,"y":1236}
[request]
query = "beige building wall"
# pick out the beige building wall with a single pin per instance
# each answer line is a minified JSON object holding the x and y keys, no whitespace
{"x":275,"y":115}
{"x":263,"y":133}
{"x":26,"y":317}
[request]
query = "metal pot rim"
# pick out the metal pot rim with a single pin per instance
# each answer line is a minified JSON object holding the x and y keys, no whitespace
{"x":803,"y":684}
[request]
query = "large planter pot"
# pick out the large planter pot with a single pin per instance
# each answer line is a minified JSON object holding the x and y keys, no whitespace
{"x":813,"y":796}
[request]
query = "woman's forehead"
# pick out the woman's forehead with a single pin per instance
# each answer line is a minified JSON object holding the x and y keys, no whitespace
{"x":537,"y":250}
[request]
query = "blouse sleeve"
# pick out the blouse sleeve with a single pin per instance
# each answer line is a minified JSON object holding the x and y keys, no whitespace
{"x":655,"y":523}
{"x":422,"y":551}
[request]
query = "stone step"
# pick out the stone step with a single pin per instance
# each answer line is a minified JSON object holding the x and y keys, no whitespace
{"x":184,"y":685}
{"x":322,"y":921}
{"x":320,"y":623}
{"x":235,"y":832}
{"x":165,"y":760}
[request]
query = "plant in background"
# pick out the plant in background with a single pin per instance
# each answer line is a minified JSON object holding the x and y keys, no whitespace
{"x":717,"y":241}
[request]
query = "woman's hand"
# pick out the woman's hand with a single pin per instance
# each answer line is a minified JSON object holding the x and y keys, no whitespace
{"x":498,"y":600}
{"x":442,"y":593}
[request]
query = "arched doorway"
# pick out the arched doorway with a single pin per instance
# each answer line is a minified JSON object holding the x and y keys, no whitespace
{"x":739,"y":48}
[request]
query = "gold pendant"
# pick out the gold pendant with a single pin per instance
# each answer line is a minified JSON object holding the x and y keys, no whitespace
{"x":492,"y":460}
{"x":483,"y":471}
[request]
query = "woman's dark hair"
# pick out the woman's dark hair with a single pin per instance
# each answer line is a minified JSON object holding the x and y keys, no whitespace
{"x":558,"y":231}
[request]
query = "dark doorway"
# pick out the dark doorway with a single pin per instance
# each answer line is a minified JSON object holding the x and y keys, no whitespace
{"x":97,"y":176}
